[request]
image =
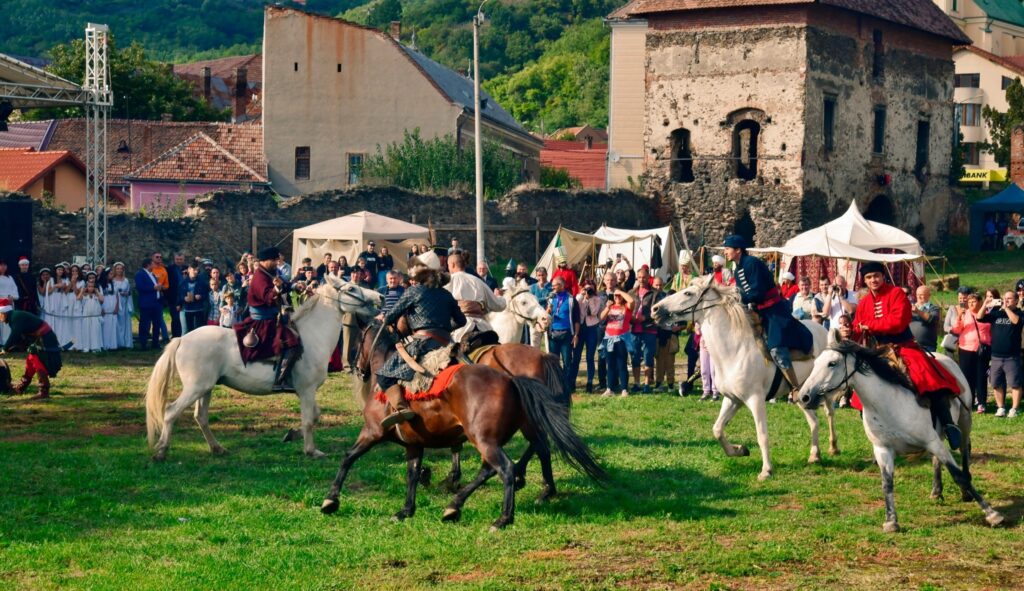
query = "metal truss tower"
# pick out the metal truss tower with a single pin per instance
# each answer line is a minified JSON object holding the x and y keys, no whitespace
{"x":97,"y":108}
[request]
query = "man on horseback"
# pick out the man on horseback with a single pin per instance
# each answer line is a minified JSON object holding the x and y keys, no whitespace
{"x":475,"y":298}
{"x":263,"y":335}
{"x":432,"y":313}
{"x":883,"y":318}
{"x":758,"y":291}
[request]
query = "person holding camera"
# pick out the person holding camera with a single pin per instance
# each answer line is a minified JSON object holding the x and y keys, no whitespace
{"x":838,"y":300}
{"x":1005,"y":366}
{"x":591,"y":304}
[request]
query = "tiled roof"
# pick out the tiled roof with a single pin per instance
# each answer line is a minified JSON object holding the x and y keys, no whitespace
{"x":598,"y":133}
{"x":144,"y":141}
{"x":1014,"y":63}
{"x":572,"y":145}
{"x":198,"y":159}
{"x":587,"y":166}
{"x":1007,"y":11}
{"x":223,"y":79}
{"x":20,"y":167}
{"x":923,"y":15}
{"x":27,"y":134}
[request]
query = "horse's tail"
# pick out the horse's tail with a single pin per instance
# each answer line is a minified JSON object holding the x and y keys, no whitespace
{"x":156,"y":391}
{"x":550,"y":419}
{"x":554,"y":381}
{"x":361,"y":389}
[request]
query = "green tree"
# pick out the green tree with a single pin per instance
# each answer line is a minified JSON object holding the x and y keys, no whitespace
{"x":384,"y":12}
{"x":557,"y":178}
{"x":1001,"y":125}
{"x":439,"y":164}
{"x":143,"y":89}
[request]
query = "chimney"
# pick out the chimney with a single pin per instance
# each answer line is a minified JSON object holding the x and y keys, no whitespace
{"x":241,"y":94}
{"x":1017,"y":155}
{"x":396,"y":30}
{"x":206,"y":83}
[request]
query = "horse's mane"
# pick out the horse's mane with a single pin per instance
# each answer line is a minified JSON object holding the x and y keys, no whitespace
{"x":730,"y":302}
{"x":875,"y":361}
{"x":306,"y":306}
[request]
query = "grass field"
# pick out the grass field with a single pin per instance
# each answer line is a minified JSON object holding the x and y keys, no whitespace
{"x":82,"y":506}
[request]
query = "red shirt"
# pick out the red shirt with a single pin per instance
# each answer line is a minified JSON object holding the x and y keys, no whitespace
{"x":619,"y":319}
{"x":572,"y":284}
{"x":788,"y":291}
{"x":886,"y":314}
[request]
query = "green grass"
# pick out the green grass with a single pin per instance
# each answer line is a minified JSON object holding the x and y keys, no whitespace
{"x":82,"y":506}
{"x":980,"y":270}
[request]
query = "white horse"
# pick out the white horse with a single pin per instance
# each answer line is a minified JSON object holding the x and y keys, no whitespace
{"x":209,"y":356}
{"x":893,"y":420}
{"x":522,"y":309}
{"x":742,"y":373}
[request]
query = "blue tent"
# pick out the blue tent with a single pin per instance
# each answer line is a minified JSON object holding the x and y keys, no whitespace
{"x":1009,"y":200}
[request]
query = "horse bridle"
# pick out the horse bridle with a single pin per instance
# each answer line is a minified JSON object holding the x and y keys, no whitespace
{"x":692,"y":310}
{"x":512,"y":308}
{"x":846,"y":379}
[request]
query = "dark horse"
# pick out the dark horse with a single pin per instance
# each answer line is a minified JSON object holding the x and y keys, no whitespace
{"x":481,"y":405}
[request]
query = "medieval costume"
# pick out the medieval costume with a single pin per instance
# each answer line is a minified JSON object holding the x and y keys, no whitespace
{"x":31,"y":332}
{"x":28,"y":296}
{"x":262,"y":335}
{"x":475,"y":300}
{"x":431,"y":312}
{"x":758,"y":291}
{"x":883,"y":319}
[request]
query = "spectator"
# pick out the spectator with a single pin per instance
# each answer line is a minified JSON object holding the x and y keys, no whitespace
{"x":621,"y":264}
{"x":692,"y":350}
{"x":974,"y":340}
{"x":591,"y":304}
{"x":168,"y":297}
{"x":284,"y":271}
{"x":721,"y":274}
{"x":807,"y":305}
{"x":924,"y":319}
{"x":707,"y":368}
{"x":681,"y":280}
{"x":371,"y":258}
{"x":645,"y":331}
{"x":391,"y":292}
{"x":1005,"y":370}
{"x":564,"y":331}
{"x":28,"y":295}
{"x":321,"y":268}
{"x":361,"y":275}
{"x":839,"y":300}
{"x":175,"y":274}
{"x":192,"y":300}
{"x":523,"y":275}
{"x":955,"y":311}
{"x":608,"y":293}
{"x":540,"y":290}
{"x":109,"y":319}
{"x":8,"y":290}
{"x":414,"y":251}
{"x":150,"y":304}
{"x":228,"y":309}
{"x":75,"y":284}
{"x":344,"y":269}
{"x":618,"y":340}
{"x":787,"y":285}
{"x":125,"y":306}
{"x":484,"y":273}
{"x":91,"y":328}
{"x":568,"y":274}
{"x":455,"y":247}
{"x":385,"y":265}
{"x":216,"y":300}
{"x":668,"y":346}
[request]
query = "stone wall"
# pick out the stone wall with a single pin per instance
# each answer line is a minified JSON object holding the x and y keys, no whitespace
{"x":220,"y":225}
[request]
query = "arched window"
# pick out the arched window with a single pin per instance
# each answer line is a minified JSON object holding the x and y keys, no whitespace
{"x":744,"y":148}
{"x":682,"y":157}
{"x":745,"y":227}
{"x":881,"y":209}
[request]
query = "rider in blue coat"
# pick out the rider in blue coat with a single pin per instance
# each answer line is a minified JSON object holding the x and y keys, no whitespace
{"x":782,"y":331}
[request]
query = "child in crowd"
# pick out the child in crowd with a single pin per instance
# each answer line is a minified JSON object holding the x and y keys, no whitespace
{"x":227,"y":309}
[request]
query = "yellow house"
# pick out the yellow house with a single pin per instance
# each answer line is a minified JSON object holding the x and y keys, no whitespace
{"x":333,"y":91}
{"x":56,"y":175}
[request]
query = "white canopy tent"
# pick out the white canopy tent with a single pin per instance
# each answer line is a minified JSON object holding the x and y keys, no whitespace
{"x":606,"y":242}
{"x":347,"y":236}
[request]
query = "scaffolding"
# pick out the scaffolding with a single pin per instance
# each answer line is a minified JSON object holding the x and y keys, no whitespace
{"x":25,"y":87}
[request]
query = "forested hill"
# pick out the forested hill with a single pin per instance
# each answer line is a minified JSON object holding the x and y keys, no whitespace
{"x":546,"y":61}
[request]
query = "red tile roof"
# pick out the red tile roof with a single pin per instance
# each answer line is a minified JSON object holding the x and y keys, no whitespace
{"x":27,"y":134}
{"x":923,"y":15}
{"x":198,"y":159}
{"x":223,"y":79}
{"x":586,"y":166}
{"x":1010,"y":62}
{"x":141,"y":142}
{"x":572,"y":145}
{"x":20,"y":167}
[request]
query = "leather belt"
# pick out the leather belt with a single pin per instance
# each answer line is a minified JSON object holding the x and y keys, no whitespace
{"x":438,"y":336}
{"x":43,"y":330}
{"x":773,"y":298}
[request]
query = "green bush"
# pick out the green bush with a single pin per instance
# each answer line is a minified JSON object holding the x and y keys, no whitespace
{"x":557,"y":178}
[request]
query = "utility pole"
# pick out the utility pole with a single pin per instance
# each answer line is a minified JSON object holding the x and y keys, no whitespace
{"x":477,"y":21}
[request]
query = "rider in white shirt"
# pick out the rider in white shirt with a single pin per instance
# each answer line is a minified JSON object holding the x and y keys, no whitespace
{"x":474,"y":297}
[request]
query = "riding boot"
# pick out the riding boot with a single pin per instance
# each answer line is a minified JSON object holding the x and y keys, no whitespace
{"x":23,"y":384}
{"x":941,"y":412}
{"x":401,"y":413}
{"x":283,"y":382}
{"x":44,"y":387}
{"x":794,"y":384}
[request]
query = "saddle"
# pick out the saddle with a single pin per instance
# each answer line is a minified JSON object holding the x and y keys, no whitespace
{"x":476,"y":339}
{"x":794,"y":354}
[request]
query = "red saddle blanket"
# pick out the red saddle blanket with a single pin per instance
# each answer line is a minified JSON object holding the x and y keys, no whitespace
{"x":437,"y":387}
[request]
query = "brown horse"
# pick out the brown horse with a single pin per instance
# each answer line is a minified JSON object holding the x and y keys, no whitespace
{"x":481,"y":405}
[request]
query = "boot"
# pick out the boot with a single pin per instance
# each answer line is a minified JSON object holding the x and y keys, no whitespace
{"x":648,"y":379}
{"x":22,"y":385}
{"x":44,"y":388}
{"x":794,"y":384}
{"x":940,"y":410}
{"x":283,"y":382}
{"x":401,"y":413}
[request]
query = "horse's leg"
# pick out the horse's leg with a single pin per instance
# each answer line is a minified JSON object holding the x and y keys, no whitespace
{"x":188,"y":397}
{"x":310,"y":414}
{"x":413,"y":461}
{"x":965,"y":462}
{"x":496,"y":457}
{"x":884,"y":459}
{"x":520,"y":469}
{"x":544,"y":455}
{"x":759,"y":409}
{"x":451,"y":482}
{"x":963,"y":480}
{"x":833,"y":439}
{"x":454,"y":509}
{"x":812,"y":422}
{"x":202,"y":416}
{"x":728,"y":411}
{"x":364,"y":443}
{"x":936,"y":479}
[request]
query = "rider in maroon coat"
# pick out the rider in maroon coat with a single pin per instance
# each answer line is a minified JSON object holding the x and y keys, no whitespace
{"x":267,"y":292}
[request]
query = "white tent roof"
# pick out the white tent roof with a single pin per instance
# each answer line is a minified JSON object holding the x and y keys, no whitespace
{"x":349,"y":234}
{"x":606,"y":242}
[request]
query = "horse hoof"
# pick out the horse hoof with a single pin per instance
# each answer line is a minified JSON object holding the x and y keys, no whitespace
{"x":500,"y":524}
{"x":938,"y":497}
{"x":764,"y":475}
{"x":401,"y":515}
{"x":814,"y":459}
{"x":329,"y":506}
{"x":995,"y":519}
{"x":742,"y":450}
{"x":160,"y":456}
{"x":291,"y":435}
{"x":890,"y":527}
{"x":451,"y":515}
{"x":316,"y":454}
{"x":833,"y":451}
{"x":219,"y":451}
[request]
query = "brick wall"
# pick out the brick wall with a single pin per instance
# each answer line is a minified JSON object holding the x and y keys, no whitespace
{"x":220,"y":227}
{"x":1017,"y":155}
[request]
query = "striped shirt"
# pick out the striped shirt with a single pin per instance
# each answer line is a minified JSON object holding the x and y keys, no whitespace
{"x":391,"y":295}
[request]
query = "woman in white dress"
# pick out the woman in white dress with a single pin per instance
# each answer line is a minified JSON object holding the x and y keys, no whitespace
{"x":58,"y":307}
{"x":123,"y":309}
{"x":109,"y":319}
{"x":91,"y":325}
{"x":43,"y":283}
{"x":76,"y":282}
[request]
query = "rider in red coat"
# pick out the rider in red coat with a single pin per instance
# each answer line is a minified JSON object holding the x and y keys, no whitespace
{"x":884,"y":316}
{"x":264,"y":297}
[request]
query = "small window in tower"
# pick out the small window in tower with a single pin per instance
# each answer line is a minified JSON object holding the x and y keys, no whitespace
{"x":878,"y":138}
{"x":302,"y":163}
{"x":829,"y":124}
{"x":682,"y":158}
{"x":744,"y":148}
{"x":878,"y":64}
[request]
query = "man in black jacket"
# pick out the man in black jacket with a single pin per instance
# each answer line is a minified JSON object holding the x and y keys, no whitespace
{"x":175,"y":273}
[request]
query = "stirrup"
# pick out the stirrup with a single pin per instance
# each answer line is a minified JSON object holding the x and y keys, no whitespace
{"x":401,"y":415}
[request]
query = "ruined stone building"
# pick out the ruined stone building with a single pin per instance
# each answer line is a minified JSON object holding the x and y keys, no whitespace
{"x":767,"y":117}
